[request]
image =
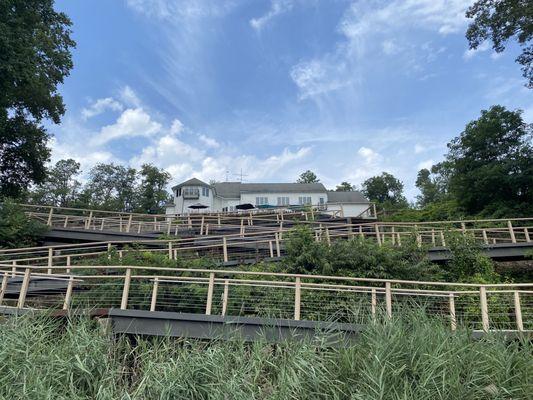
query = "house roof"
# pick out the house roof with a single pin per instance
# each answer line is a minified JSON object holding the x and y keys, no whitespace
{"x":346,"y":197}
{"x":234,"y":189}
{"x":191,"y":182}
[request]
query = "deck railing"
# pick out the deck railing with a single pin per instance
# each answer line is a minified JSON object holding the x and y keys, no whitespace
{"x":484,"y":307}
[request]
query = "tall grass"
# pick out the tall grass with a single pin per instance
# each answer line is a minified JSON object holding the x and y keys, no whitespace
{"x":412,"y":357}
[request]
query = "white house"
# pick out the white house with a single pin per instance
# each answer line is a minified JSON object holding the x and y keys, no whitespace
{"x":194,"y":195}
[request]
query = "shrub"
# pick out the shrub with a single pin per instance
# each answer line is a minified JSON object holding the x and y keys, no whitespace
{"x":16,"y":229}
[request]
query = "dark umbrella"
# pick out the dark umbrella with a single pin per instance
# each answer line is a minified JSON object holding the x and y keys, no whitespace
{"x":197,"y":206}
{"x":245,"y":206}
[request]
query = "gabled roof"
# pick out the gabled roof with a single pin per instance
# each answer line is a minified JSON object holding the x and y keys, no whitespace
{"x":233,"y":190}
{"x":346,"y":197}
{"x":191,"y":182}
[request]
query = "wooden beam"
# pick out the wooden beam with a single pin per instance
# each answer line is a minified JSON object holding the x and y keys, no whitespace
{"x":126,"y":290}
{"x":518,"y":311}
{"x":155,"y":288}
{"x":297,"y":298}
{"x":484,"y":308}
{"x":24,"y":288}
{"x":225,"y":298}
{"x":388,"y":299}
{"x":453,"y":320}
{"x":210,"y":289}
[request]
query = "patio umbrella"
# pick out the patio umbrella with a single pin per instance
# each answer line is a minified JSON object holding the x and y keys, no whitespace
{"x":197,"y":206}
{"x":245,"y":206}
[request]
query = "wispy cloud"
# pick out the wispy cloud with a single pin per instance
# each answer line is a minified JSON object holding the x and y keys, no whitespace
{"x":100,"y":106}
{"x":277,"y":7}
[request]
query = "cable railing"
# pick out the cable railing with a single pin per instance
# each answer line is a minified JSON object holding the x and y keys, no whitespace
{"x":172,"y":224}
{"x":484,"y":307}
{"x":270,"y":243}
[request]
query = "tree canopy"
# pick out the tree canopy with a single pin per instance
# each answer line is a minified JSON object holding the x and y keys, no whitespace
{"x":308,"y":177}
{"x":35,"y":58}
{"x":499,"y":21}
{"x":344,"y":187}
{"x":385,"y":189}
{"x":489,"y":165}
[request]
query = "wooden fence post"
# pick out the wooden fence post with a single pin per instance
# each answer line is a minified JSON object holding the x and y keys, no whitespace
{"x":102,"y":224}
{"x":225,"y":298}
{"x":378,"y":236}
{"x":388,"y":299}
{"x":271,"y":248}
{"x":50,"y":213}
{"x":511,"y":231}
{"x":68,"y":294}
{"x":50,"y":260}
{"x":373,"y":303}
{"x":485,"y":238}
{"x":518,"y":311}
{"x":453,"y":320}
{"x":484,"y":307}
{"x":328,"y":238}
{"x":225,"y":248}
{"x":3,"y":287}
{"x":297,"y":298}
{"x":14,"y":268}
{"x":89,"y":220}
{"x":155,"y":288}
{"x":526,"y":234}
{"x":128,"y":227}
{"x":202,"y":225}
{"x":24,"y":288}
{"x":210,"y":289}
{"x":66,"y":221}
{"x":443,"y":241}
{"x":126,"y":289}
{"x":278,"y":250}
{"x":170,"y":250}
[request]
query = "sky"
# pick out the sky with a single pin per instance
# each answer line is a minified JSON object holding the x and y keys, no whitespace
{"x":270,"y":88}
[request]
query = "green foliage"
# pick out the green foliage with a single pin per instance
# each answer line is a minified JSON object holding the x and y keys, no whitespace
{"x":431,"y":188}
{"x":438,"y":211}
{"x":17,"y":230}
{"x":344,"y":187}
{"x":489,"y":165}
{"x":152,"y":194}
{"x":386,"y":190}
{"x":35,"y":57}
{"x":60,"y":187}
{"x":308,"y":177}
{"x":499,"y":21}
{"x":412,"y":357}
{"x":468,"y":263}
{"x":357,"y":257}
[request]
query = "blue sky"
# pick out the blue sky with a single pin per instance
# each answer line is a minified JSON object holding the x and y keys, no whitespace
{"x":347,"y":89}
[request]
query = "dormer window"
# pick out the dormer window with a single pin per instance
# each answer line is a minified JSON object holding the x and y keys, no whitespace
{"x":205,"y":191}
{"x":191,"y":193}
{"x":178,"y":192}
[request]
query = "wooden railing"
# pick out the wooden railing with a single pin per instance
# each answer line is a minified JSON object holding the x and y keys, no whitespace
{"x":269,"y":242}
{"x":172,"y":224}
{"x":293,"y":296}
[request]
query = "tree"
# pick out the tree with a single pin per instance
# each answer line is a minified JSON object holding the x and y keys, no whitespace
{"x":16,"y":229}
{"x":152,"y":194}
{"x":111,"y":187}
{"x":308,"y":177}
{"x":385,"y":189}
{"x":499,"y":21}
{"x":60,"y":187}
{"x":489,"y":165}
{"x":430,"y":186}
{"x":35,"y":58}
{"x":344,"y":187}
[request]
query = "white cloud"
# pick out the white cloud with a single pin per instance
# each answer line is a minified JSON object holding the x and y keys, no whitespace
{"x":369,"y":155}
{"x":129,"y":97}
{"x":176,"y":127}
{"x":277,"y":7}
{"x":425,"y":164}
{"x":419,"y":148}
{"x":390,"y":47}
{"x":100,"y":106}
{"x":318,"y":76}
{"x":469,"y":53}
{"x":208,"y":141}
{"x":132,"y":122}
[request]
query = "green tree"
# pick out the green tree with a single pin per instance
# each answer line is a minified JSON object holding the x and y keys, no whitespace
{"x":430,"y":189}
{"x":344,"y":187}
{"x":489,"y":165}
{"x":152,"y":193}
{"x":499,"y":21}
{"x":111,"y":187}
{"x":61,"y":188}
{"x":16,"y":229}
{"x":35,"y":58}
{"x":308,"y":177}
{"x":385,"y":189}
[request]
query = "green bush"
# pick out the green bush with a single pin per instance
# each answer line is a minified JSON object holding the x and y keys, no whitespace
{"x":16,"y":229}
{"x":412,"y":357}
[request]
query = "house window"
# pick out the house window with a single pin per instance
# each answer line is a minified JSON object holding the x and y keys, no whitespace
{"x":178,"y":192}
{"x":283,"y":201}
{"x":205,"y":191}
{"x":260,"y":201}
{"x":304,"y":200}
{"x":191,"y":193}
{"x":321,"y":201}
{"x":232,"y":208}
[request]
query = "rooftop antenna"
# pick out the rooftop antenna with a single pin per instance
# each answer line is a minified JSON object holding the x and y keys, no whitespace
{"x":241,"y":175}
